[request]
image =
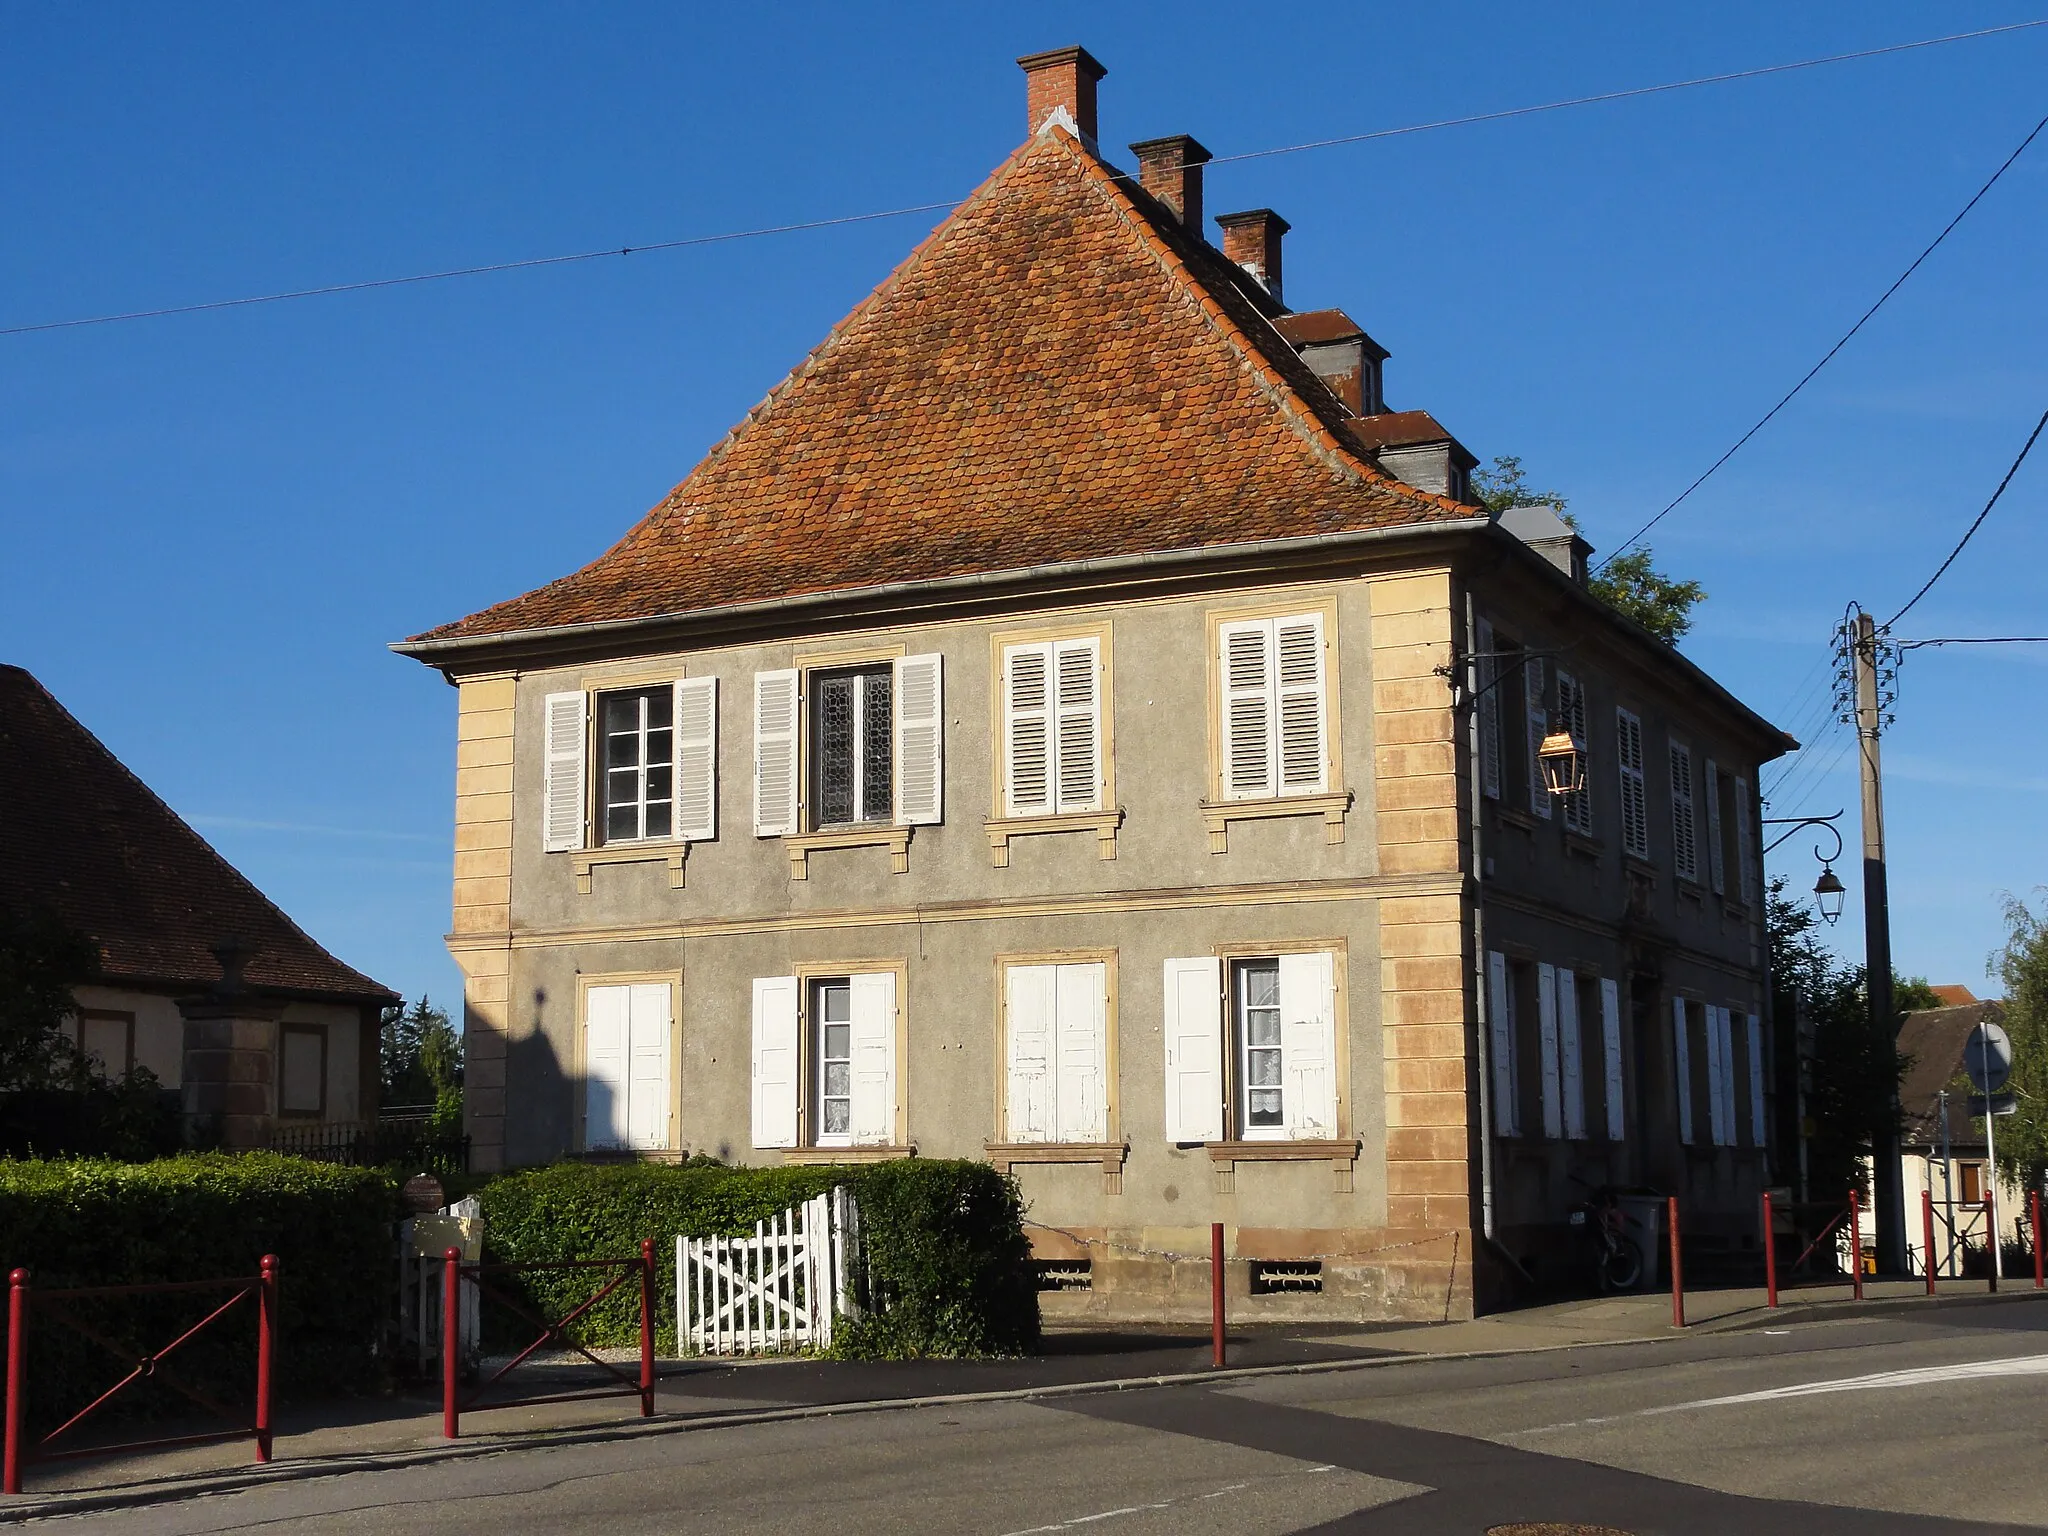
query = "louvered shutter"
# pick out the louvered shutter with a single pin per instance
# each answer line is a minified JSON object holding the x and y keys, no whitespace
{"x":562,"y":797}
{"x":1500,"y":1008}
{"x":1571,"y":709}
{"x":1489,"y":714}
{"x":1546,"y":1049}
{"x":1635,"y":813}
{"x":647,"y":1104}
{"x":1028,"y":1002}
{"x":1717,"y":1101}
{"x":1081,"y":1051}
{"x":775,"y":1061}
{"x":776,"y":769}
{"x":1571,"y":1059}
{"x":1077,"y":699}
{"x":920,"y":740}
{"x":1745,"y":844}
{"x":1730,"y":1099}
{"x":1753,"y":1027}
{"x":1027,"y":730}
{"x":1716,"y":860}
{"x":873,"y":1043}
{"x":1298,"y":643}
{"x":1685,"y":849}
{"x":1536,"y":715}
{"x":1610,"y":1042}
{"x":697,"y":758}
{"x":1681,"y":1069}
{"x":1194,"y":1049}
{"x":1308,"y":1044}
{"x":607,"y":1032}
{"x":1247,"y":711}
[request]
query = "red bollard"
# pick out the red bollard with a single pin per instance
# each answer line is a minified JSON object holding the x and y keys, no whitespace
{"x":266,"y":1350}
{"x":17,"y":1378}
{"x":451,"y":1342}
{"x":1770,"y":1256}
{"x":1677,"y":1271}
{"x":1856,"y":1242}
{"x":2034,"y":1230}
{"x":1927,"y":1234}
{"x":1216,"y":1289}
{"x":646,"y":1328}
{"x":1991,"y":1237}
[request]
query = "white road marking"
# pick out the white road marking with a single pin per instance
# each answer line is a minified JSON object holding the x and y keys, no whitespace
{"x":1138,"y":1509}
{"x":1878,"y":1381}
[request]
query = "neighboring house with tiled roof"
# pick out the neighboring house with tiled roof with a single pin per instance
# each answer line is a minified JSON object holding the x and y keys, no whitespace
{"x":1044,"y":730}
{"x":1943,"y":1148}
{"x":84,"y":838}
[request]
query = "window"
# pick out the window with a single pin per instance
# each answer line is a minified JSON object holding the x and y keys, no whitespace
{"x":1717,"y":855}
{"x":1571,"y":716}
{"x":1258,"y":1041}
{"x":1745,"y":844}
{"x":1274,"y":707}
{"x":1536,"y":723}
{"x":1252,"y":1046}
{"x":1635,"y":805}
{"x":657,"y":765}
{"x":626,"y":1029}
{"x":1685,"y":847}
{"x":1505,"y":1062}
{"x":301,"y":1070}
{"x":638,"y":740}
{"x":1056,"y":1052}
{"x":1971,"y":1181}
{"x":851,"y":766}
{"x":824,"y":1060}
{"x":1052,"y":727}
{"x":1681,"y":1065}
{"x":848,"y":747}
{"x":107,"y":1040}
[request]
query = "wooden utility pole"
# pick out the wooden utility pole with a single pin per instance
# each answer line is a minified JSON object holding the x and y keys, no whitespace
{"x":1888,"y":1194}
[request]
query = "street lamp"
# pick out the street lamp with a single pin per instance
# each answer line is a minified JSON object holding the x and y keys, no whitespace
{"x":1828,"y":889}
{"x":1561,"y":758}
{"x":1827,"y":893}
{"x":1562,"y":761}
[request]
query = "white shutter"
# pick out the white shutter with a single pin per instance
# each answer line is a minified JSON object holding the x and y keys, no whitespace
{"x":1308,"y":1044}
{"x":1304,"y":754}
{"x":1681,"y":1069}
{"x":1500,"y":1010}
{"x":775,"y":1061}
{"x":1027,"y":730}
{"x":1247,"y":710}
{"x":1635,"y":805}
{"x":1745,"y":844}
{"x":920,"y":698}
{"x":563,"y":796}
{"x":776,"y":769}
{"x":1754,"y":1028}
{"x":1546,"y":1046}
{"x":1685,"y":845}
{"x":607,"y":1028}
{"x":873,"y":1043}
{"x":1717,"y":1104}
{"x":1730,"y":1102}
{"x":648,"y":1048}
{"x":1570,"y":1055}
{"x":1194,"y":1049}
{"x":1716,"y":860}
{"x":697,"y":758}
{"x":1489,"y":714}
{"x":1081,"y":1051}
{"x":1028,"y":1004}
{"x":1536,"y":715}
{"x":1610,"y":1042}
{"x":1571,"y":709}
{"x":1077,"y":736}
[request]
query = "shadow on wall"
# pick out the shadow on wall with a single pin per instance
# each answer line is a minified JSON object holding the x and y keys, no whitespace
{"x":541,"y":1094}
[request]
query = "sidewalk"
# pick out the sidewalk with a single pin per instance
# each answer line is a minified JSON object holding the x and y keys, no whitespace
{"x":324,"y":1439}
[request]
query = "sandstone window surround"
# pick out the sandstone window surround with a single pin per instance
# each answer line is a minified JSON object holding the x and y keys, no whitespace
{"x":627,"y":1061}
{"x":654,"y":791}
{"x":1051,"y":720}
{"x":828,"y":1046}
{"x":1274,"y":739}
{"x":1056,"y":1042}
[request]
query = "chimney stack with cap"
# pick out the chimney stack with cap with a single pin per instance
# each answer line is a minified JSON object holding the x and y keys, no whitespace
{"x":1061,"y":81}
{"x":1252,"y":240}
{"x":1171,"y":170}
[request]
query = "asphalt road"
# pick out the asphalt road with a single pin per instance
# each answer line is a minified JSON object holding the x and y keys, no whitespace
{"x":1872,"y":1426}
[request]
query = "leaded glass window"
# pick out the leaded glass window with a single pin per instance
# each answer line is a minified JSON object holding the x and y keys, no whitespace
{"x":851,"y":768}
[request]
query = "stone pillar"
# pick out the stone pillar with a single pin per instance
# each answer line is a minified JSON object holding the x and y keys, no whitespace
{"x":230,"y":1058}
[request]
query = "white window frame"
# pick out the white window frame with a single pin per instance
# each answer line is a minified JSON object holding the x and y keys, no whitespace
{"x":639,"y":735}
{"x":1059,"y":721}
{"x":788,"y":1071}
{"x":1080,"y":1032}
{"x":638,"y":987}
{"x":863,"y":729}
{"x":1279,"y":699}
{"x":816,"y":989}
{"x":1241,"y":1050}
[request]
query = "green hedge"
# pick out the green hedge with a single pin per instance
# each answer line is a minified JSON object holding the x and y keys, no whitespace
{"x":945,"y":1270}
{"x":89,"y":1222}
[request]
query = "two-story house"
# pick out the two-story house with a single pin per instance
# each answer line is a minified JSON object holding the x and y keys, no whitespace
{"x":1031,"y":735}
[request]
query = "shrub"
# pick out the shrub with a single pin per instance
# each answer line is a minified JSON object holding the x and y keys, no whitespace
{"x":196,"y":1217}
{"x":945,"y":1268}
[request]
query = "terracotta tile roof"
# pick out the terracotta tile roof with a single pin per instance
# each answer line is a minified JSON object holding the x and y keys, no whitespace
{"x":1933,"y":1039}
{"x":1396,"y":429}
{"x":1954,"y":995}
{"x":1315,"y":326}
{"x":82,"y":835}
{"x":1057,"y":373}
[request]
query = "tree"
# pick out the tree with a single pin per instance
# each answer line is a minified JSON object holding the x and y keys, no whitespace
{"x":2022,"y":964}
{"x":1912,"y":993}
{"x":41,"y":960}
{"x":420,"y":1057}
{"x":1630,"y":583}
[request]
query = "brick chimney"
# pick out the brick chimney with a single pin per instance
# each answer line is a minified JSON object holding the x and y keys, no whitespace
{"x":1171,"y":170}
{"x":1252,"y":240}
{"x":1061,"y":80}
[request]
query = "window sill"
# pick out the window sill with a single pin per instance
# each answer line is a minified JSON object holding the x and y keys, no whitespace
{"x":1219,"y":814}
{"x":1508,"y":816}
{"x":583,"y":860}
{"x":1111,"y":1154}
{"x":1689,"y":890}
{"x":817,"y":1157}
{"x":1736,"y":910}
{"x":1103,"y":824}
{"x":1585,"y":847}
{"x":880,"y":834}
{"x":1226,"y":1155}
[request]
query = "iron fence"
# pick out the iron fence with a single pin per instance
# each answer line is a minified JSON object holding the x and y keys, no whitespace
{"x":409,"y":1141}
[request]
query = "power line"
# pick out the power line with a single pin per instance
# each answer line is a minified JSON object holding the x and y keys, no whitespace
{"x":892,"y":213}
{"x":1914,"y":645}
{"x":1847,"y":337}
{"x":2032,"y":438}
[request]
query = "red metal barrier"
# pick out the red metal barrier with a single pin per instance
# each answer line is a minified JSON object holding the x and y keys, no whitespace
{"x":1677,"y":1271}
{"x":1991,"y":1237}
{"x":555,"y":1332}
{"x":1856,"y":1242}
{"x":1216,"y":1290}
{"x":23,"y":1302}
{"x":1927,"y":1235}
{"x":1770,"y":1255}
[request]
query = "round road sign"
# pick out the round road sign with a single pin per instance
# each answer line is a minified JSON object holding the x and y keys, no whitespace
{"x":1987,"y":1057}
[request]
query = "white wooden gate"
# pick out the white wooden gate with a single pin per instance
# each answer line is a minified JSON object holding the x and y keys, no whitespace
{"x":777,"y":1290}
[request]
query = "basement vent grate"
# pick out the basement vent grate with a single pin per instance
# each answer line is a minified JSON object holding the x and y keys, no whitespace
{"x":1287,"y":1277}
{"x":1063,"y":1274}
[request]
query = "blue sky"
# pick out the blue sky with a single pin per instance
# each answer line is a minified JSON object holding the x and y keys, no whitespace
{"x":215,"y":523}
